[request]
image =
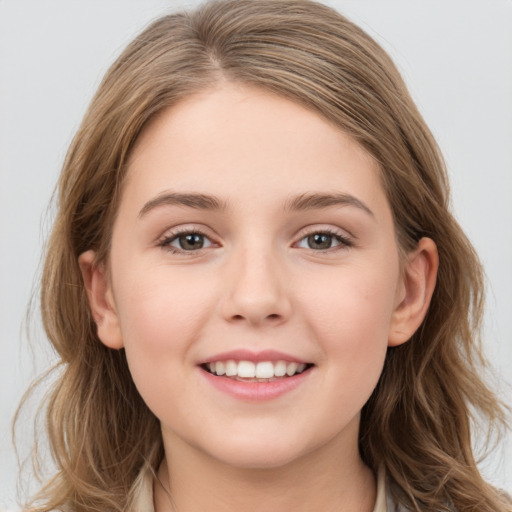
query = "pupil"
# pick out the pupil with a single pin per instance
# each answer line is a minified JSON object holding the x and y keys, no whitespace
{"x":193,"y":241}
{"x":320,"y":241}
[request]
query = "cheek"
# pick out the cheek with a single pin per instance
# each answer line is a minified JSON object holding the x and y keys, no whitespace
{"x":350,"y":316}
{"x":352,"y":300}
{"x":162,"y":308}
{"x":161,"y":316}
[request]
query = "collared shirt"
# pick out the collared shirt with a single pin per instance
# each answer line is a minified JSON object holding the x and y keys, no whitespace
{"x":144,"y":500}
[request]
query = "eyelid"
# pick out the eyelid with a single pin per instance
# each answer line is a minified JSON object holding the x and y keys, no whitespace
{"x":173,"y":233}
{"x":345,"y":239}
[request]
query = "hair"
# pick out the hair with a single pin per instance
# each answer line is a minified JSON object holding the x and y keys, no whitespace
{"x":417,"y":423}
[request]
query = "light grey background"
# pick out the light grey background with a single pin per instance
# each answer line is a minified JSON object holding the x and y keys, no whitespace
{"x":455,"y":55}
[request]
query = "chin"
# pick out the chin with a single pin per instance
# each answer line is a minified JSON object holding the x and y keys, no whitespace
{"x":263,"y":454}
{"x":261,"y":460}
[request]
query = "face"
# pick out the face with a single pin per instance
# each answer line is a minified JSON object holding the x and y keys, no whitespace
{"x":253,"y":239}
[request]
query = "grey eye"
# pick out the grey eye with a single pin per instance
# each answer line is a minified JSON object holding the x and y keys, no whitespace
{"x":320,"y":241}
{"x":323,"y":241}
{"x":190,"y":242}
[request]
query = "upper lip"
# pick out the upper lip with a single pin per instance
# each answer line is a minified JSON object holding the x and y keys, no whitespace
{"x":256,"y":357}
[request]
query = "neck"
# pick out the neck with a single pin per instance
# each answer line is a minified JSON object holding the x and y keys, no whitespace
{"x":330,"y":479}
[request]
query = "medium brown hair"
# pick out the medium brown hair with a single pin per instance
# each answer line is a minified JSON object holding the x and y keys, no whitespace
{"x":417,"y":421}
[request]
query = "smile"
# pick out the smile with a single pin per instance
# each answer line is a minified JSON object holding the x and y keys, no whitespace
{"x":261,"y":371}
{"x":255,"y":376}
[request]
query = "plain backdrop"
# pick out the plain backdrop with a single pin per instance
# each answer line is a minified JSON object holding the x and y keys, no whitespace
{"x":456,"y":57}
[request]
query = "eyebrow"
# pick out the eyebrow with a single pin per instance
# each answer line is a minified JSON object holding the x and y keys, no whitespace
{"x":316,"y":201}
{"x":307,"y":201}
{"x":197,"y":201}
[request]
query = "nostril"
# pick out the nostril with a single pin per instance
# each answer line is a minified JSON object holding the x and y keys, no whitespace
{"x":273,"y":316}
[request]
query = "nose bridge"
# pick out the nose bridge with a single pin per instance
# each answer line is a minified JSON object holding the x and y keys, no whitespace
{"x":256,"y":290}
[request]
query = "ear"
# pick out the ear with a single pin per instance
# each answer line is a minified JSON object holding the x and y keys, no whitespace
{"x":101,"y":300}
{"x":419,"y":281}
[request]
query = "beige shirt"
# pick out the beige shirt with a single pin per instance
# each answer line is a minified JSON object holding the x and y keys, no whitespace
{"x":144,"y":502}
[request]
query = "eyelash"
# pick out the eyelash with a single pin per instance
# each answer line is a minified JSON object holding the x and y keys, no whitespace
{"x":165,"y":243}
{"x":343,"y":241}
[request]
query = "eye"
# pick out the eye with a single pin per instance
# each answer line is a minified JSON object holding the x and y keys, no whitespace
{"x":323,"y":241}
{"x":187,"y":241}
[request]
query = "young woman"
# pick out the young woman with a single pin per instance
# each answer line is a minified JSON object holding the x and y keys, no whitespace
{"x":258,"y":294}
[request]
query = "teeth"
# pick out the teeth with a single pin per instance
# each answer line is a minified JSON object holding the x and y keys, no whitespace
{"x":250,"y":370}
{"x":246,"y":369}
{"x":264,"y":370}
{"x":231,"y":368}
{"x":280,"y":369}
{"x":291,"y":368}
{"x":220,"y":368}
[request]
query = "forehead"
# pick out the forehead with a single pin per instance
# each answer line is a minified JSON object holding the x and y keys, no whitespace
{"x":247,"y":143}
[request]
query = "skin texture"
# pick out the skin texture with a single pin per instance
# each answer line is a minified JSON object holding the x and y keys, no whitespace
{"x":256,"y":284}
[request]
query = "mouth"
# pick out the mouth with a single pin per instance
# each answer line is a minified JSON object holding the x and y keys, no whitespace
{"x":261,"y":371}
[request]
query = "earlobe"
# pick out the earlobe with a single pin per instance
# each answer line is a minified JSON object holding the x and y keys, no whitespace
{"x":419,"y":280}
{"x":101,"y":300}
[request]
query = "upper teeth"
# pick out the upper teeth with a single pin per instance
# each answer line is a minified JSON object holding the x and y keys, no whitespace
{"x":261,"y":370}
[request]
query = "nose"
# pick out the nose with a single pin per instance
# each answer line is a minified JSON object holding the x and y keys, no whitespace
{"x":256,"y":290}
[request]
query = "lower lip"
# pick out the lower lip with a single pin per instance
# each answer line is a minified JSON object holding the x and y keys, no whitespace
{"x":255,"y":391}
